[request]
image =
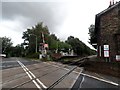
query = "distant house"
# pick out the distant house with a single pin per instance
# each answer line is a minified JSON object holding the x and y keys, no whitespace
{"x":107,"y":29}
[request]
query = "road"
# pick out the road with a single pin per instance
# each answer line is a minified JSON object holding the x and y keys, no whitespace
{"x":23,"y":73}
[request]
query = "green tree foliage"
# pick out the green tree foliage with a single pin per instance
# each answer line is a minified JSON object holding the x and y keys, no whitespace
{"x":30,"y":36}
{"x":6,"y":46}
{"x":18,"y":51}
{"x":38,"y":30}
{"x":52,"y":42}
{"x":63,"y":46}
{"x":78,"y":46}
{"x":54,"y":37}
{"x":9,"y":49}
{"x":92,"y":34}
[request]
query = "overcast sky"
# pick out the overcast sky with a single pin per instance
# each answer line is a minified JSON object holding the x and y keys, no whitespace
{"x":63,"y":17}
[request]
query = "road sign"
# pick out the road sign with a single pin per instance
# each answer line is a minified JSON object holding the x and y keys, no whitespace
{"x":106,"y":47}
{"x":106,"y":50}
{"x":106,"y":53}
{"x":118,"y":57}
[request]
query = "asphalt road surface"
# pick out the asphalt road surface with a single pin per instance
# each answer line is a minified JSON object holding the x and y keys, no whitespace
{"x":26,"y":74}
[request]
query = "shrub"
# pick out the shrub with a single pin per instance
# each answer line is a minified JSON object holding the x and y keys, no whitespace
{"x":33,"y":55}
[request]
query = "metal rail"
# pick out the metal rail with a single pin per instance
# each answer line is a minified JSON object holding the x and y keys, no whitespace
{"x":80,"y":61}
{"x":62,"y":77}
{"x":31,"y":80}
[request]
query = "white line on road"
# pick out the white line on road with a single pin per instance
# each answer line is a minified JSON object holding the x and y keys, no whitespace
{"x":103,"y":80}
{"x":30,"y":74}
{"x":76,"y":78}
{"x":110,"y":82}
{"x":82,"y":82}
{"x":37,"y":80}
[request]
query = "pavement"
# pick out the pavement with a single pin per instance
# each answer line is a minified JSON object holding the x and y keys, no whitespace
{"x":20,"y":73}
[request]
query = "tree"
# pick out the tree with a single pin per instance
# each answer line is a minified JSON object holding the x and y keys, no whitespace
{"x":92,"y":34}
{"x":18,"y":51}
{"x":56,"y":44}
{"x":53,"y":36}
{"x":78,"y":46}
{"x":41,"y":31}
{"x":36,"y":32}
{"x":63,"y":46}
{"x":53,"y":42}
{"x":6,"y":46}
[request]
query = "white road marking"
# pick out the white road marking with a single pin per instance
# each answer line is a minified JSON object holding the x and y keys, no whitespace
{"x":30,"y":74}
{"x":34,"y":76}
{"x":110,"y":82}
{"x":103,"y":80}
{"x":36,"y":84}
{"x":37,"y":80}
{"x":41,"y":83}
{"x":82,"y":82}
{"x":76,"y":78}
{"x":99,"y":76}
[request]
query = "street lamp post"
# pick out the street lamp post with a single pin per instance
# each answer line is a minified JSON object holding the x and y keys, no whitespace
{"x":44,"y":51}
{"x":36,"y":44}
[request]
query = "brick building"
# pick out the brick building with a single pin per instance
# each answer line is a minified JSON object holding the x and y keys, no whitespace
{"x":107,"y":29}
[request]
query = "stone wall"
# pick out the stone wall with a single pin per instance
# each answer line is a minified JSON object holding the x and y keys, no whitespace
{"x":119,"y":18}
{"x":108,"y":28}
{"x":111,"y":69}
{"x":119,"y":29}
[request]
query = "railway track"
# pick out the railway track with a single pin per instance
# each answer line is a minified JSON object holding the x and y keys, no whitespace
{"x":56,"y":82}
{"x":79,"y":62}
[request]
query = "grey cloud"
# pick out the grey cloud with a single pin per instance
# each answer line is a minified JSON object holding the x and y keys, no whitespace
{"x":52,"y":14}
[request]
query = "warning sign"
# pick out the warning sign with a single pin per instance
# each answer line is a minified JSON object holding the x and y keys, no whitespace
{"x":106,"y":47}
{"x":106,"y":50}
{"x":106,"y":53}
{"x":118,"y":57}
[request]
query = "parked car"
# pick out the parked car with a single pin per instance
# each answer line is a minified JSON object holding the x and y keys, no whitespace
{"x":2,"y":55}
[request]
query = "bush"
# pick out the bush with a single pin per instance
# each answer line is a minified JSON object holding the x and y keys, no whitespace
{"x":33,"y":55}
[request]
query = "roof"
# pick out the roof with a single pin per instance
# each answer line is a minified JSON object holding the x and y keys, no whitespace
{"x":97,"y":18}
{"x":109,"y":8}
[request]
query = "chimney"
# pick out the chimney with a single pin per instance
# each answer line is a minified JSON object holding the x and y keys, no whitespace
{"x":116,"y":2}
{"x":113,"y":2}
{"x":110,"y":4}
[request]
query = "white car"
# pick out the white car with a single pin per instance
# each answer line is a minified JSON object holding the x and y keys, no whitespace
{"x":2,"y":55}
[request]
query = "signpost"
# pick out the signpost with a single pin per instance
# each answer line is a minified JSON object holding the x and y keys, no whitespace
{"x":118,"y":57}
{"x":100,"y":51}
{"x":106,"y":52}
{"x":106,"y":47}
